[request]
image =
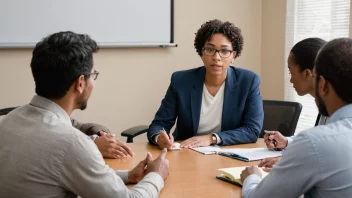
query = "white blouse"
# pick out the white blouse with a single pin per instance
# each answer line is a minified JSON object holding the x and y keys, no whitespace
{"x":211,"y":111}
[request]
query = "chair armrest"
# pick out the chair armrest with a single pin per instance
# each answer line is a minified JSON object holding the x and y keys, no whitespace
{"x":5,"y":111}
{"x":135,"y":131}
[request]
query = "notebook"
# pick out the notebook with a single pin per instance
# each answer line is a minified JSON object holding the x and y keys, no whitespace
{"x":233,"y":175}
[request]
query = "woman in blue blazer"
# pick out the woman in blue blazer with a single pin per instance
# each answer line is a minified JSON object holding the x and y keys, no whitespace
{"x":215,"y":103}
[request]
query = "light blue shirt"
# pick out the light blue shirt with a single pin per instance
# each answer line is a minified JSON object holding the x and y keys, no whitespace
{"x":322,"y":121}
{"x":318,"y":163}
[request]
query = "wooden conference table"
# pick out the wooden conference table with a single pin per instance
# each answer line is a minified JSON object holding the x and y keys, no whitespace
{"x":192,"y":174}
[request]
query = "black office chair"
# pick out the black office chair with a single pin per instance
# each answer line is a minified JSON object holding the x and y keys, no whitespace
{"x":5,"y":111}
{"x":321,"y":120}
{"x":278,"y":116}
{"x":134,"y":131}
{"x":281,"y":116}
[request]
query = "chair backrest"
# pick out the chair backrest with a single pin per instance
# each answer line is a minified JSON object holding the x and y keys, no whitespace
{"x":321,"y":120}
{"x":281,"y":116}
{"x":5,"y":111}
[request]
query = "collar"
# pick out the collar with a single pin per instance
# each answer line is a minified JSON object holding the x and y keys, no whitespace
{"x":341,"y":113}
{"x":44,"y":103}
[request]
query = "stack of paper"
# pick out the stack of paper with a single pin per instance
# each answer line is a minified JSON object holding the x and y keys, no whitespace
{"x":207,"y":149}
{"x":253,"y":154}
{"x":248,"y":154}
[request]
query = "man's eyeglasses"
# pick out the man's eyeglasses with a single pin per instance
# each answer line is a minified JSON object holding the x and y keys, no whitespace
{"x":210,"y":51}
{"x":94,"y":75}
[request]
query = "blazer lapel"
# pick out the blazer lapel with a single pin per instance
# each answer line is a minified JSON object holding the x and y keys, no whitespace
{"x":229,"y":98}
{"x":196,"y":98}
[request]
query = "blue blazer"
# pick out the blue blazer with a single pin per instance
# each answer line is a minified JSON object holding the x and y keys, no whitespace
{"x":242,"y":115}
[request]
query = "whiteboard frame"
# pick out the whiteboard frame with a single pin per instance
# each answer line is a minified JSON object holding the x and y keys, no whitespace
{"x":19,"y":45}
{"x":101,"y":45}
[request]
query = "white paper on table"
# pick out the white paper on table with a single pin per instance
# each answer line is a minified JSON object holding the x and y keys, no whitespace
{"x":253,"y":154}
{"x":206,"y":150}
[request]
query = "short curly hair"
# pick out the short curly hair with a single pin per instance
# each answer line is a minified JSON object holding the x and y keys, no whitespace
{"x":208,"y":29}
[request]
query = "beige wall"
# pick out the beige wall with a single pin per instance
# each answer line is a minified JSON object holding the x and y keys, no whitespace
{"x":133,"y":81}
{"x":273,"y":63}
{"x":350,"y":19}
{"x":273,"y":49}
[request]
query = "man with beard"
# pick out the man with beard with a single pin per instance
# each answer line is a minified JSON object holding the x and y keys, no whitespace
{"x":318,"y":162}
{"x":43,"y":155}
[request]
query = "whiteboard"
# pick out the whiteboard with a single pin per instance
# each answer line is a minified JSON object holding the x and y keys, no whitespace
{"x":112,"y":23}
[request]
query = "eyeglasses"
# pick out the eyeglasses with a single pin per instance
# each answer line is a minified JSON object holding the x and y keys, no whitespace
{"x":210,"y":51}
{"x":95,"y":75}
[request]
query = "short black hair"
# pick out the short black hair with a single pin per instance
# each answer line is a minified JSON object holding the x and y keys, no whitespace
{"x":208,"y":29}
{"x":334,"y":63}
{"x":305,"y":52}
{"x":59,"y":59}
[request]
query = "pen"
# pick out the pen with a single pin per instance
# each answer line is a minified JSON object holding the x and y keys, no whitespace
{"x":234,"y":156}
{"x":239,"y":157}
{"x":166,"y":133}
{"x":273,"y":141}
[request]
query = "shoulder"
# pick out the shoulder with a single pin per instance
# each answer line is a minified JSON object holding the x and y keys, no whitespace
{"x":326,"y":136}
{"x":79,"y":142}
{"x":243,"y":73}
{"x":312,"y":134}
{"x":69,"y":136}
{"x":243,"y":77}
{"x":183,"y":80}
{"x":189,"y":73}
{"x":321,"y":132}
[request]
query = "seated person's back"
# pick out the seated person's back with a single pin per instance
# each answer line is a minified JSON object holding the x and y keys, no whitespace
{"x":44,"y":141}
{"x":332,"y":145}
{"x":43,"y":155}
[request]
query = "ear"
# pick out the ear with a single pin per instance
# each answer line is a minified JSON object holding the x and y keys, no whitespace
{"x":323,"y":86}
{"x":308,"y":74}
{"x":80,"y":84}
{"x":234,"y":53}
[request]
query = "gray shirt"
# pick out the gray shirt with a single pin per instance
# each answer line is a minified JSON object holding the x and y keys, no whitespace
{"x":317,"y":164}
{"x":42,"y":155}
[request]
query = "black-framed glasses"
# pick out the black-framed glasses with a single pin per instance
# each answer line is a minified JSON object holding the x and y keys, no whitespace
{"x":210,"y":51}
{"x":94,"y":75}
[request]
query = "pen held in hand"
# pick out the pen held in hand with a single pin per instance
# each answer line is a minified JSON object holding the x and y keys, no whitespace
{"x":166,"y":134}
{"x":273,"y":141}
